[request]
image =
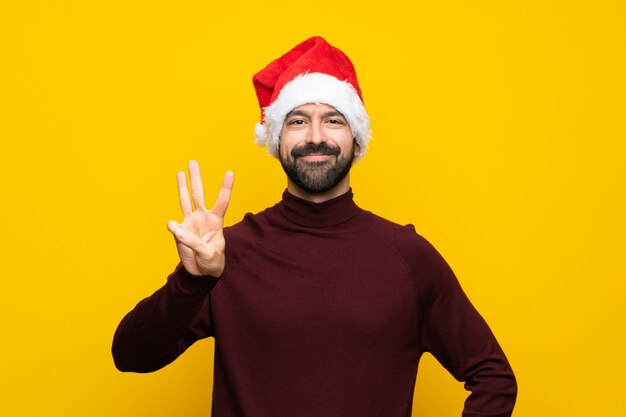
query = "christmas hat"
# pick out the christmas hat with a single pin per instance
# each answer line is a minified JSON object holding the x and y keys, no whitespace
{"x":312,"y":72}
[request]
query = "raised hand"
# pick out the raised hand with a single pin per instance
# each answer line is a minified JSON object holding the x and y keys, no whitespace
{"x":200,"y":238}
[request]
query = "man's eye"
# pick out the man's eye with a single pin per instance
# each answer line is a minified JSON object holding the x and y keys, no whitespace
{"x":296,"y":122}
{"x":335,"y":121}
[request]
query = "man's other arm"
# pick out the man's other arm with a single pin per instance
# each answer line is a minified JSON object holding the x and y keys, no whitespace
{"x":460,"y":339}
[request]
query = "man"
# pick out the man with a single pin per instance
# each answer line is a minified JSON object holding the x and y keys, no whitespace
{"x":317,"y":307}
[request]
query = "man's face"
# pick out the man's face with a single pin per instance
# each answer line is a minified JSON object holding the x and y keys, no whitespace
{"x":316,"y":147}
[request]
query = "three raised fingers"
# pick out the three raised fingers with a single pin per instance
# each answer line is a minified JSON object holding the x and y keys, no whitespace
{"x":197,"y":191}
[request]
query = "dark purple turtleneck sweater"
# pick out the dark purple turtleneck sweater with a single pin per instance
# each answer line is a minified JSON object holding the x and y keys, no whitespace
{"x":323,"y":310}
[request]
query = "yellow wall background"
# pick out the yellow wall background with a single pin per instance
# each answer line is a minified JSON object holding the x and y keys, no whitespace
{"x":498,"y":131}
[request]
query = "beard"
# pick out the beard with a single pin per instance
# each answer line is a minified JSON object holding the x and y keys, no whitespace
{"x":319,"y":176}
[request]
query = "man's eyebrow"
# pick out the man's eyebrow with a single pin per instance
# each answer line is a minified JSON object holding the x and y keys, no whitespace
{"x":332,"y":113}
{"x":297,"y":113}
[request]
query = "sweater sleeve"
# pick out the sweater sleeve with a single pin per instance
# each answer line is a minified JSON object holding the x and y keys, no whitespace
{"x":164,"y":325}
{"x":458,"y":337}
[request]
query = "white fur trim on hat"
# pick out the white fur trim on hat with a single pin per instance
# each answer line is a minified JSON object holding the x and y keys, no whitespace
{"x":314,"y":88}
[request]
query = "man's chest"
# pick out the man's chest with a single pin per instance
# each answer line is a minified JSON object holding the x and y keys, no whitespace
{"x":350,"y":289}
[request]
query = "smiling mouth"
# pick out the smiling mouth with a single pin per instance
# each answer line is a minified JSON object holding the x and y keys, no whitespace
{"x":312,"y":152}
{"x":316,"y":157}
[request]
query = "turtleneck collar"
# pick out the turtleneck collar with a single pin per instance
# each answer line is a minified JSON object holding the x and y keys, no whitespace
{"x":329,"y":213}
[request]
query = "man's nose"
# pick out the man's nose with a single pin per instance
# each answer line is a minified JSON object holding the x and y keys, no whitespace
{"x":315,"y":134}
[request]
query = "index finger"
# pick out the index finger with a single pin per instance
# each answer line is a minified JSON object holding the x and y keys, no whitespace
{"x":223,"y":197}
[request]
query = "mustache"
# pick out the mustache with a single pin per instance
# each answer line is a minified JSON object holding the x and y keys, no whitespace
{"x":313,"y":149}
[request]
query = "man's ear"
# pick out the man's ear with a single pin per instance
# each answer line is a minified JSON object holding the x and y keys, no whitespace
{"x":357,"y":148}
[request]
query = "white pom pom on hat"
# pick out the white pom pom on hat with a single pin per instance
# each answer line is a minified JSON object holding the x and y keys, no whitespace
{"x":312,"y":72}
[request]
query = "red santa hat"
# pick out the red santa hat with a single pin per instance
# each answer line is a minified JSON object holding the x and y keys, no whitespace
{"x":312,"y":72}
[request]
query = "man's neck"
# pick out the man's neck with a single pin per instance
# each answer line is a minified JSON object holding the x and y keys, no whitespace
{"x":341,"y":188}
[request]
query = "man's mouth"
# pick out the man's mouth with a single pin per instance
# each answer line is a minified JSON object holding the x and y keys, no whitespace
{"x":315,"y":153}
{"x":316,"y":157}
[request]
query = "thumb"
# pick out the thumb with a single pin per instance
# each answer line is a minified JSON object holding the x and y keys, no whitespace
{"x":185,"y":237}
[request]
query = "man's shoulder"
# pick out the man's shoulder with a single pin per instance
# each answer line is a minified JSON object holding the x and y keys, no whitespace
{"x":414,"y":249}
{"x":391,"y":230}
{"x":395,"y":234}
